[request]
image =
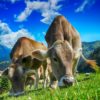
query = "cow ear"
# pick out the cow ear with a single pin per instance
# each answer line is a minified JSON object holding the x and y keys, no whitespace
{"x":40,"y":54}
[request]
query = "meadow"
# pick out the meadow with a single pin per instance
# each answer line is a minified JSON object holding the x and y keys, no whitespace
{"x":87,"y":87}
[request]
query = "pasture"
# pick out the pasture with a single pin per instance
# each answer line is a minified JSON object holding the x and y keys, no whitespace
{"x":87,"y":88}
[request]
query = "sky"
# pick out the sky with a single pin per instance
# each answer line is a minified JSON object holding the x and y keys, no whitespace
{"x":32,"y":18}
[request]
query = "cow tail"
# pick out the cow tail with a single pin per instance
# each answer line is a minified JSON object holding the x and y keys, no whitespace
{"x":92,"y":63}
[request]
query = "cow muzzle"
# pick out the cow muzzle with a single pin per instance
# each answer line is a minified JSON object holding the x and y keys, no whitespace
{"x":66,"y":81}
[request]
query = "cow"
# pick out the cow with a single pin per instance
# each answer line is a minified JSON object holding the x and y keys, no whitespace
{"x":64,"y":51}
{"x":24,"y":63}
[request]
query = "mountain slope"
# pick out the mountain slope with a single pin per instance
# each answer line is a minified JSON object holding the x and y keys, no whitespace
{"x":4,"y":53}
{"x":4,"y":57}
{"x":89,"y":49}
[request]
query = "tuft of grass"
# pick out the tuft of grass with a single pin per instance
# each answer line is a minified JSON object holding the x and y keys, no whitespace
{"x":86,"y":88}
{"x":4,"y":84}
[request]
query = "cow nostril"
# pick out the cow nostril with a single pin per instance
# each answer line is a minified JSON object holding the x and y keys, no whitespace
{"x":67,"y":82}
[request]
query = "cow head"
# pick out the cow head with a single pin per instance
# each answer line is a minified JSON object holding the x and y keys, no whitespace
{"x":17,"y":75}
{"x":61,"y":55}
{"x":17,"y":79}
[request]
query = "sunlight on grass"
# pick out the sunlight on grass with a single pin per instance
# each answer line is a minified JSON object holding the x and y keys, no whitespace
{"x":86,"y":88}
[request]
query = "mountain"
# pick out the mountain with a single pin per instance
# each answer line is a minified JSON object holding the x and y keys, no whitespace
{"x":4,"y":53}
{"x":96,"y":55}
{"x":4,"y":56}
{"x":90,"y":49}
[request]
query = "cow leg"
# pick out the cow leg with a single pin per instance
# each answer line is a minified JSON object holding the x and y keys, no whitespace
{"x":46,"y":78}
{"x":45,"y":81}
{"x":31,"y":84}
{"x":45,"y":74}
{"x":75,"y":65}
{"x":53,"y":81}
{"x":36,"y":81}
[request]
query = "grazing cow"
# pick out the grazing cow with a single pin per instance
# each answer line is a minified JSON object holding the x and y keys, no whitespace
{"x":65,"y":49}
{"x":24,"y":63}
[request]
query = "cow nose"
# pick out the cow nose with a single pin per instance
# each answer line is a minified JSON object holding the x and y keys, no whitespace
{"x":68,"y":81}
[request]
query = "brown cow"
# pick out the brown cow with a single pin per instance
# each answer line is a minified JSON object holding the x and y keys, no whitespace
{"x":24,"y":63}
{"x":65,"y":49}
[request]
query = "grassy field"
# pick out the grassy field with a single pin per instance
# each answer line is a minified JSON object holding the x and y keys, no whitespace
{"x":87,"y":88}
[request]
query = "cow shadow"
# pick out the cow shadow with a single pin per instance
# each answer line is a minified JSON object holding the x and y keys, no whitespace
{"x":33,"y":91}
{"x":36,"y":92}
{"x":84,"y":79}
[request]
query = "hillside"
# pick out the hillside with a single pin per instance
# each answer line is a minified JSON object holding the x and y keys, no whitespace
{"x":4,"y":53}
{"x":4,"y":56}
{"x":90,"y":49}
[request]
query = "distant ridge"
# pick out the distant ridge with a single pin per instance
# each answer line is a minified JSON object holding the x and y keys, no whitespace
{"x":88,"y":49}
{"x":4,"y":57}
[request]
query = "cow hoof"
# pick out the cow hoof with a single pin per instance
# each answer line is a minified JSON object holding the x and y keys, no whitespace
{"x":53,"y":86}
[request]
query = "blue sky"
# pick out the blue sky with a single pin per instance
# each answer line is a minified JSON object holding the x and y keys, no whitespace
{"x":32,"y":18}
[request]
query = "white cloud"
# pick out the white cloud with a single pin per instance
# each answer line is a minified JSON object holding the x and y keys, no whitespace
{"x":8,"y":37}
{"x":4,"y":28}
{"x":47,"y":9}
{"x":84,"y":5}
{"x":48,"y":16}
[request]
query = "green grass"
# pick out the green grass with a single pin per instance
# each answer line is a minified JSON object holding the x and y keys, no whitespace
{"x":87,"y":88}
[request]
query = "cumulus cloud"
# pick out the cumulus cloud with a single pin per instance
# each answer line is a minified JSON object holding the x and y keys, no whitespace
{"x":8,"y":37}
{"x":47,"y":9}
{"x":84,"y":5}
{"x":4,"y":28}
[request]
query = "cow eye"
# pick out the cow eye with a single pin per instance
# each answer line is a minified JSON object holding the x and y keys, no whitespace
{"x":55,"y":59}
